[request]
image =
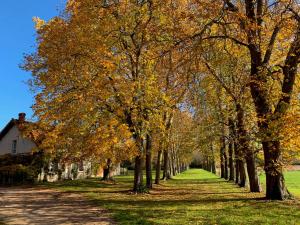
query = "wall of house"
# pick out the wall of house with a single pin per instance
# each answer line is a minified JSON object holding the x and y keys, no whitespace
{"x":23,"y":145}
{"x":70,"y":171}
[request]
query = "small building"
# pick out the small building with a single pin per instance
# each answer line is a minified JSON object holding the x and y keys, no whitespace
{"x":13,"y":142}
{"x":11,"y":139}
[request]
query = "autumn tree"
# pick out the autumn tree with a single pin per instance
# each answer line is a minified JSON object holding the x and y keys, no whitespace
{"x":270,"y":32}
{"x":229,"y":68}
{"x":96,"y":66}
{"x":111,"y":77}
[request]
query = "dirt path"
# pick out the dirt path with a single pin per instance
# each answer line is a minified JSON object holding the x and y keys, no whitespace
{"x":43,"y":206}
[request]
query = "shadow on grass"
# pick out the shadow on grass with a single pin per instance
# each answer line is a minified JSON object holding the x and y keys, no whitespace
{"x":202,"y":181}
{"x":185,"y":200}
{"x":148,"y":211}
{"x":177,"y":202}
{"x":87,"y":183}
{"x":2,"y":221}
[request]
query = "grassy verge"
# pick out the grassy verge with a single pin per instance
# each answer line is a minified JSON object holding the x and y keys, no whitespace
{"x":194,"y":197}
{"x":292,"y":180}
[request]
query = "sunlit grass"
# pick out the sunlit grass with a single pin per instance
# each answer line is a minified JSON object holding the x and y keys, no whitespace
{"x":193,"y":197}
{"x":292,"y":180}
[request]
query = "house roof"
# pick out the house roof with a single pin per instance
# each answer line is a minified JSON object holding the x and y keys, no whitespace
{"x":35,"y":135}
{"x":7,"y":128}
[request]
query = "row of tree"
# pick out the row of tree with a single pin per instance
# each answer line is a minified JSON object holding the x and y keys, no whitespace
{"x":122,"y":79}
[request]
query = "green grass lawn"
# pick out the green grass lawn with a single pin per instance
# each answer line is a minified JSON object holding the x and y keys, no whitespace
{"x":292,"y":180}
{"x":193,"y":197}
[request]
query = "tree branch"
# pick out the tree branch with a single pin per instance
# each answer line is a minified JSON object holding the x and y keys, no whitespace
{"x":227,"y":37}
{"x":231,"y":6}
{"x":271,"y":44}
{"x":289,"y":71}
{"x":212,"y":71}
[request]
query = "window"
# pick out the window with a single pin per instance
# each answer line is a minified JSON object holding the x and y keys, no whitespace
{"x":14,"y":147}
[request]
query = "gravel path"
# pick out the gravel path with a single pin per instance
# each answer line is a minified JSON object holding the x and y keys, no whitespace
{"x":43,"y":206}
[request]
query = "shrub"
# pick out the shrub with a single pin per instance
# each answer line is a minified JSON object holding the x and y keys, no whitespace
{"x":20,"y":168}
{"x":16,"y":174}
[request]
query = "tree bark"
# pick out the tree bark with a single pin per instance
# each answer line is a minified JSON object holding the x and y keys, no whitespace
{"x":223,"y":158}
{"x":158,"y":167}
{"x":246,"y":151}
{"x":173,"y":165}
{"x":170,"y":167}
{"x":231,"y":166}
{"x":237,"y":171}
{"x":106,"y":170}
{"x":178,"y":164}
{"x":225,"y":163}
{"x":208,"y":167}
{"x":166,"y":173}
{"x":275,"y":183}
{"x":242,"y":173}
{"x":148,"y":161}
{"x":236,"y":155}
{"x":222,"y":163}
{"x":138,"y":175}
{"x":252,"y":173}
{"x":230,"y":149}
{"x":213,"y":164}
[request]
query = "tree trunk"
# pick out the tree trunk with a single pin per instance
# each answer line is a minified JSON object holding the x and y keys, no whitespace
{"x":222,"y":163}
{"x":46,"y":172}
{"x":225,"y":164}
{"x":170,"y":166}
{"x":158,"y":167}
{"x":246,"y":151}
{"x":168,"y":119}
{"x":178,"y":164}
{"x":148,"y":162}
{"x":223,"y":159}
{"x":252,"y":173}
{"x":231,"y":166}
{"x":237,"y":171}
{"x":213,"y":164}
{"x":230,"y":148}
{"x":106,"y":170}
{"x":236,"y":154}
{"x":242,"y":172}
{"x":138,"y":175}
{"x":172,"y":156}
{"x":275,"y":183}
{"x":213,"y":170}
{"x":166,"y":173}
{"x":208,"y":166}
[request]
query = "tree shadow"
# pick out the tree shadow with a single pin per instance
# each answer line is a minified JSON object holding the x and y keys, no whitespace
{"x":38,"y":206}
{"x":2,"y":222}
{"x":207,"y":198}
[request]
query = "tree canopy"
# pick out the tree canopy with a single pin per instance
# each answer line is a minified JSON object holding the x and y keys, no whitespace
{"x":123,"y":79}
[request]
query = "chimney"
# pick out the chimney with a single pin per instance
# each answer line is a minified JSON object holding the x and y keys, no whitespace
{"x":22,"y":117}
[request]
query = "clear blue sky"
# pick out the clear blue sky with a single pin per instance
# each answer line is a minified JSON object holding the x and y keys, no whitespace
{"x":17,"y":36}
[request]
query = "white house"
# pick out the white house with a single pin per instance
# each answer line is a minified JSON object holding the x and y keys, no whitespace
{"x":11,"y":139}
{"x":13,"y":142}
